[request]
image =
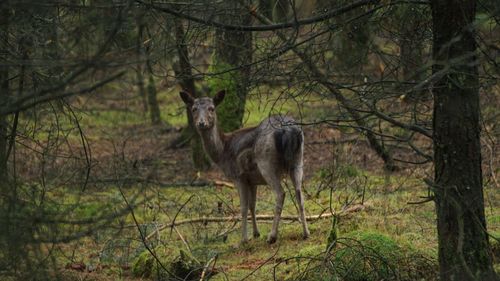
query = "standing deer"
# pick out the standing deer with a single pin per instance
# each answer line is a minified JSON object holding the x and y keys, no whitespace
{"x":253,"y":156}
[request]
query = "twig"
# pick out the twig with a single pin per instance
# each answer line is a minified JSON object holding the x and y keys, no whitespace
{"x":205,"y":268}
{"x":336,"y":141}
{"x":425,"y":199}
{"x":223,"y":183}
{"x":134,"y":180}
{"x":182,"y":238}
{"x":179,"y":211}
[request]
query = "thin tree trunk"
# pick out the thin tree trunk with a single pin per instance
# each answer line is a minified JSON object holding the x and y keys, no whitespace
{"x":351,"y":44}
{"x":140,"y":57}
{"x":185,"y":78}
{"x":266,"y":7}
{"x":233,"y":49}
{"x":53,"y":48}
{"x":464,"y":252}
{"x":4,"y":90}
{"x":411,"y":60}
{"x":154,"y":107}
{"x":281,"y":10}
{"x":9,"y":235}
{"x":411,"y":47}
{"x":141,"y":88}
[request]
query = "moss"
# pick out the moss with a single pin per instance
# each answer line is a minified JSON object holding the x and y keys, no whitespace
{"x":311,"y":250}
{"x":143,"y":265}
{"x":368,"y":255}
{"x":495,"y":219}
{"x":230,"y":112}
{"x":167,"y":261}
{"x":495,"y":247}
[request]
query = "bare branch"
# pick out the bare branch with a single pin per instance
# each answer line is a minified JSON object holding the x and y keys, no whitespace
{"x":23,"y":103}
{"x":267,"y":27}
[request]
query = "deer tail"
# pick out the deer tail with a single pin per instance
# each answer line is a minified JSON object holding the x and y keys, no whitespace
{"x":289,"y":143}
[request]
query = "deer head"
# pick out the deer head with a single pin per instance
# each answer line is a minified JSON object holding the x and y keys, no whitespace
{"x":203,"y":109}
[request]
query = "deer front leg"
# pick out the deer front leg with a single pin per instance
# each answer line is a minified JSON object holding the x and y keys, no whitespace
{"x":243,"y":191}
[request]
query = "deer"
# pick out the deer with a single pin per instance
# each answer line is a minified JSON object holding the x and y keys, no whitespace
{"x":260,"y":155}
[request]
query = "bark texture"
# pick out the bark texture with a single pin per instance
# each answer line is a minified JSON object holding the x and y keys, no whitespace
{"x":4,"y":89}
{"x":464,"y":252}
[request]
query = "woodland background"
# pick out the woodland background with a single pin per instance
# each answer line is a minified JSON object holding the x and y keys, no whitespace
{"x":103,"y":178}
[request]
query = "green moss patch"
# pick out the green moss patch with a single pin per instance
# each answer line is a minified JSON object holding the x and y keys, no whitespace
{"x":167,"y":263}
{"x":495,"y":247}
{"x":365,"y":256}
{"x":230,"y":112}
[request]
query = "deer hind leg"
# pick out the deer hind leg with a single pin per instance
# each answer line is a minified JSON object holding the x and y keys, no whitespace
{"x":296,"y":176}
{"x":251,"y":202}
{"x":244,"y":191}
{"x":272,"y":177}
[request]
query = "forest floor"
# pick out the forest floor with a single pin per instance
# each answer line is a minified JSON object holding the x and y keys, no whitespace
{"x":136,"y":173}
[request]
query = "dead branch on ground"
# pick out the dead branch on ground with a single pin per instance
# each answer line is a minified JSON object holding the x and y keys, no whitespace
{"x":344,"y":212}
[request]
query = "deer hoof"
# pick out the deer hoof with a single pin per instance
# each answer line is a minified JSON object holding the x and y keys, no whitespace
{"x":271,"y":239}
{"x":306,"y":235}
{"x":256,"y":235}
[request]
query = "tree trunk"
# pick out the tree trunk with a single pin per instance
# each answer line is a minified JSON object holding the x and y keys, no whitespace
{"x":9,"y":243}
{"x":351,"y":46}
{"x":411,"y":60}
{"x":464,"y":252}
{"x":154,"y":107}
{"x":281,"y":10}
{"x":139,"y":49}
{"x":4,"y":90}
{"x":53,"y":47}
{"x":185,"y":77}
{"x":140,"y":87}
{"x":266,"y":7}
{"x":412,"y":30}
{"x":233,"y":50}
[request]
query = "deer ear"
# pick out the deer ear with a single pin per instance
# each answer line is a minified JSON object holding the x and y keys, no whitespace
{"x":219,"y":97}
{"x":186,"y":97}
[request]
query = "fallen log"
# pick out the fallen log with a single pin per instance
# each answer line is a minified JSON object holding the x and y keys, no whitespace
{"x":205,"y":220}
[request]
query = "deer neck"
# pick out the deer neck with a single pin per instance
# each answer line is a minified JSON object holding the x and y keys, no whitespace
{"x":213,"y":143}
